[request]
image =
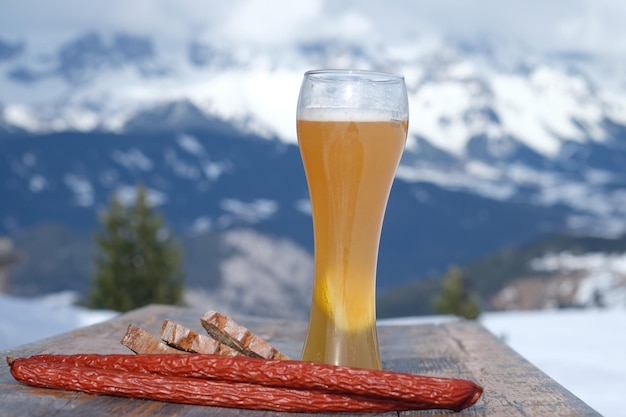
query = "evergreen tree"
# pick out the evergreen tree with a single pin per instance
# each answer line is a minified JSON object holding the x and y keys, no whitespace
{"x":456,"y":297}
{"x":139,"y":260}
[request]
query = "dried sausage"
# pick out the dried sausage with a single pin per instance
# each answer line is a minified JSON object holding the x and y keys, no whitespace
{"x":189,"y":390}
{"x":279,"y":385}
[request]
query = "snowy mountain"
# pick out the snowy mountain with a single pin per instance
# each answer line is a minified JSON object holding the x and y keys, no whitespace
{"x":505,"y":145}
{"x":567,"y":279}
{"x":535,"y":132}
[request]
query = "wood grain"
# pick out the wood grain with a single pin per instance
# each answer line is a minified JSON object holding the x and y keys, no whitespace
{"x":458,"y":349}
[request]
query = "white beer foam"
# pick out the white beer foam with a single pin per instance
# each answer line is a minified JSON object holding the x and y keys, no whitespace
{"x":351,"y":115}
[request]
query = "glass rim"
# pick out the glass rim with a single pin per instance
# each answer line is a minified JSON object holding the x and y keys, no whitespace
{"x":330,"y":74}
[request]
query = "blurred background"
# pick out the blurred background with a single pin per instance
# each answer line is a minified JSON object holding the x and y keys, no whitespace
{"x":514,"y":168}
{"x":510,"y":195}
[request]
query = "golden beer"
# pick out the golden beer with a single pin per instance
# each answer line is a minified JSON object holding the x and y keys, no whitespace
{"x":352,"y":128}
{"x":350,"y":166}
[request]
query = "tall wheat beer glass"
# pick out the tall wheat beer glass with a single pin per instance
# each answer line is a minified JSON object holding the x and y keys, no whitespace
{"x":352,"y":128}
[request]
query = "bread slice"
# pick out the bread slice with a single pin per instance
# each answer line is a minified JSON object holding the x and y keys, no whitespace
{"x":183,"y":338}
{"x":140,"y":341}
{"x":226,"y":331}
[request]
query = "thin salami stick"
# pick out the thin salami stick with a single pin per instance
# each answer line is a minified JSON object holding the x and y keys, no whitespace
{"x":423,"y":392}
{"x":66,"y":376}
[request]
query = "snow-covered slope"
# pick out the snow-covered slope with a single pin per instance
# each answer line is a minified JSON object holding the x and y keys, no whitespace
{"x":566,"y":279}
{"x":535,"y":131}
{"x":260,"y":277}
{"x":92,"y":81}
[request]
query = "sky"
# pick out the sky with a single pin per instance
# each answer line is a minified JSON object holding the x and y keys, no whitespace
{"x":590,"y":26}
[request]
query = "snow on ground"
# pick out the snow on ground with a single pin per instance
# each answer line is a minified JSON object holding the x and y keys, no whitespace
{"x":26,"y":320}
{"x":581,"y":349}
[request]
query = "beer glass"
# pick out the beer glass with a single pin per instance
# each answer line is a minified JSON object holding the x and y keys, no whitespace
{"x":352,"y":127}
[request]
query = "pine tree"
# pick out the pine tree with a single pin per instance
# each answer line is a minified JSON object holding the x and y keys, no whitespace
{"x":456,"y":297}
{"x":139,"y":260}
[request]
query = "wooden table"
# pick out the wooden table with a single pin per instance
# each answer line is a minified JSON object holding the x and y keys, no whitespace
{"x":458,"y":349}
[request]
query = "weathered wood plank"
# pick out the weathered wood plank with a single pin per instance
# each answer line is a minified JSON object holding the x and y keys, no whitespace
{"x":513,"y":387}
